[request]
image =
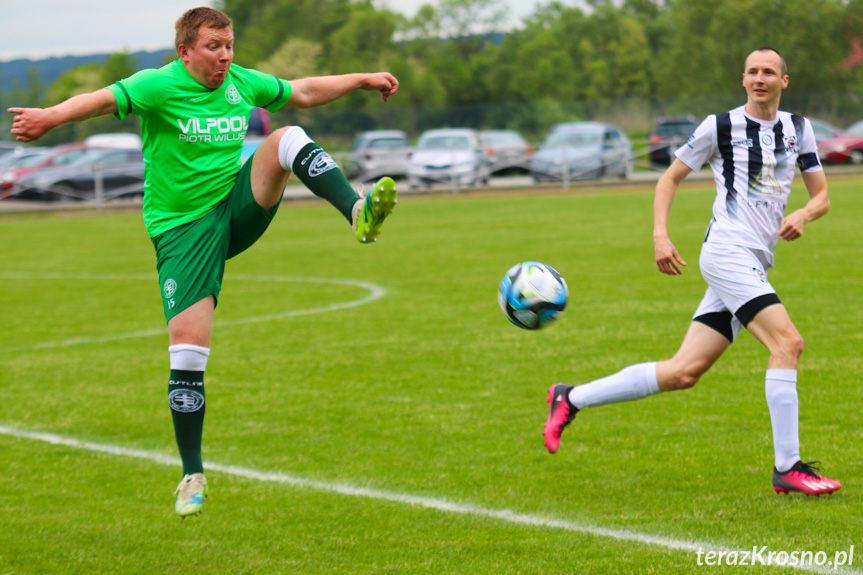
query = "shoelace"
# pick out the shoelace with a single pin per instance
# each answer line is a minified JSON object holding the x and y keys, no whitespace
{"x":809,"y":468}
{"x":186,"y":481}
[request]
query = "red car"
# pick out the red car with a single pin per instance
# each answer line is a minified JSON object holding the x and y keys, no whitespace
{"x":44,"y":158}
{"x":844,"y":149}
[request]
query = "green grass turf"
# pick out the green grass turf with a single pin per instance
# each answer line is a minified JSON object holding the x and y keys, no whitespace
{"x":428,"y":391}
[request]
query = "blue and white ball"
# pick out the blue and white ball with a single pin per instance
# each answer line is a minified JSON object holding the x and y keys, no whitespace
{"x":532,"y":295}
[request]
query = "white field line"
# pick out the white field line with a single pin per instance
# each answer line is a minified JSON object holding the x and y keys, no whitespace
{"x":375,"y":292}
{"x":434,"y":503}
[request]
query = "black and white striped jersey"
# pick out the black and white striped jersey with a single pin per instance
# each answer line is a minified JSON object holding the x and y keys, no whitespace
{"x":753,"y":166}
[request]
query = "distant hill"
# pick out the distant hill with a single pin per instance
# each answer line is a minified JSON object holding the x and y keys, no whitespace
{"x":51,"y":68}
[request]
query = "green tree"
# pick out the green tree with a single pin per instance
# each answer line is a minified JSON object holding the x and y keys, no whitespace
{"x":713,"y":38}
{"x":364,"y":42}
{"x":262,"y":26}
{"x":85,"y":79}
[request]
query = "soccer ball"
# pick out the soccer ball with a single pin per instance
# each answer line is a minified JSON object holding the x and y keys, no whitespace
{"x":532,"y":295}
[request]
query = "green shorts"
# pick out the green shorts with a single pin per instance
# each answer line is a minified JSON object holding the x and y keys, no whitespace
{"x":191,"y":258}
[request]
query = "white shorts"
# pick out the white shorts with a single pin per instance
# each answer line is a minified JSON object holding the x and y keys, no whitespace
{"x":735,"y":276}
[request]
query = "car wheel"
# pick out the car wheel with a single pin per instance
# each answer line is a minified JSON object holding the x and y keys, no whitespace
{"x":628,"y":169}
{"x":855,"y":156}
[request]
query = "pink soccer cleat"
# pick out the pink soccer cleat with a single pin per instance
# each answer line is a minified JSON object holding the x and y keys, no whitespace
{"x":804,"y":478}
{"x":560,"y":414}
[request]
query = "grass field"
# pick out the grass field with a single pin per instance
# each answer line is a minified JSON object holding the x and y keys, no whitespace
{"x":382,"y":416}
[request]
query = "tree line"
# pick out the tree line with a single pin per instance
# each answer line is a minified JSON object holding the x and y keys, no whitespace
{"x":624,"y":62}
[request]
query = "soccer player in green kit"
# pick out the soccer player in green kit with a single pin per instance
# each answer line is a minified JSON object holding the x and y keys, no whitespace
{"x":201,"y":207}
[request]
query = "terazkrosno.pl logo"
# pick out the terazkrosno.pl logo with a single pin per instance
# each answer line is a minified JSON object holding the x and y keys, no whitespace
{"x":170,"y":288}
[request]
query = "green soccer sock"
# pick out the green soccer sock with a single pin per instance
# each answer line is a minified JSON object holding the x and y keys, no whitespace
{"x":186,"y":397}
{"x":320,"y":174}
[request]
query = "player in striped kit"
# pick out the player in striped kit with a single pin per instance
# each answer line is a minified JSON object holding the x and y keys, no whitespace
{"x":752,"y":151}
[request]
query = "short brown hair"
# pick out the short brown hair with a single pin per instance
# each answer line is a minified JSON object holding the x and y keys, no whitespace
{"x":781,"y":58}
{"x":188,"y":24}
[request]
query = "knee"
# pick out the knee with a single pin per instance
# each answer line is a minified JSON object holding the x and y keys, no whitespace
{"x":792,"y":346}
{"x":799,"y":344}
{"x":685,"y":376}
{"x":681,"y":381}
{"x":277,"y":134}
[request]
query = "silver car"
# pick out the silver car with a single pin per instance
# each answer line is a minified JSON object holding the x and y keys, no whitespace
{"x":582,"y":150}
{"x":120,"y":172}
{"x":507,"y":150}
{"x":449,"y":156}
{"x":378,"y":153}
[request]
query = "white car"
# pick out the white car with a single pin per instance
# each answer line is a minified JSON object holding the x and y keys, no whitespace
{"x":378,"y":153}
{"x":448,"y":156}
{"x":120,"y":140}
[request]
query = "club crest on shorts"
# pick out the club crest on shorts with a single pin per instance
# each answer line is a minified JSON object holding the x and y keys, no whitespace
{"x":170,"y":288}
{"x":186,"y":400}
{"x":322,"y":163}
{"x":759,"y":275}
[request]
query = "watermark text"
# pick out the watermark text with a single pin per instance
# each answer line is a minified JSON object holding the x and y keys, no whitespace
{"x":763,"y":556}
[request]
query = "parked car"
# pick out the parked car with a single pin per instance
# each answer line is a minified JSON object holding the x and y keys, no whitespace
{"x":449,"y":155}
{"x":507,"y":150}
{"x":47,"y":158}
{"x":582,"y":150}
{"x":119,"y":140}
{"x":8,"y":147}
{"x":20,"y":158}
{"x":19,"y":154}
{"x":824,"y":130}
{"x":378,"y":153}
{"x":844,"y":149}
{"x":121,"y":172}
{"x":669,"y":134}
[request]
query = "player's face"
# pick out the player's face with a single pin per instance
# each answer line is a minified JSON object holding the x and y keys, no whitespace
{"x":763,"y":78}
{"x":209,"y":60}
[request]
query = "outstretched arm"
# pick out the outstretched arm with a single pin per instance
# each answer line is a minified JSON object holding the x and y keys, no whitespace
{"x":33,"y":123}
{"x":817,"y":206}
{"x":320,"y":90}
{"x":667,"y":258}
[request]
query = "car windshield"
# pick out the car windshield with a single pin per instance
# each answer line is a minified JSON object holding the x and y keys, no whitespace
{"x":445,"y":143}
{"x":855,"y":129}
{"x":576,"y":138}
{"x":502,"y":138}
{"x":26,"y":160}
{"x":387,"y":144}
{"x":68,"y":157}
{"x":93,"y":156}
{"x":674,"y":129}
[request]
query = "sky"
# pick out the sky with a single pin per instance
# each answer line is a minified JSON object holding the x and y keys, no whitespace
{"x":42,"y":28}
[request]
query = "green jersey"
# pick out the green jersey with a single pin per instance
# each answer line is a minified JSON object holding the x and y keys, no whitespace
{"x":193,"y":136}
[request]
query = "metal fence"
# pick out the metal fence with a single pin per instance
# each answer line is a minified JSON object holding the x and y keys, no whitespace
{"x":64,"y":191}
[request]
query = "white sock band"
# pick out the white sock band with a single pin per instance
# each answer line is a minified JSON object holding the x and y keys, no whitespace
{"x":780,"y":388}
{"x":293,"y":141}
{"x":188,"y":357}
{"x":634,"y":382}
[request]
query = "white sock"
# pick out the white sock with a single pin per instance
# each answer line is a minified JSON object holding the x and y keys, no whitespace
{"x":188,"y":357}
{"x":293,"y":141}
{"x":780,"y":387}
{"x":634,"y":382}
